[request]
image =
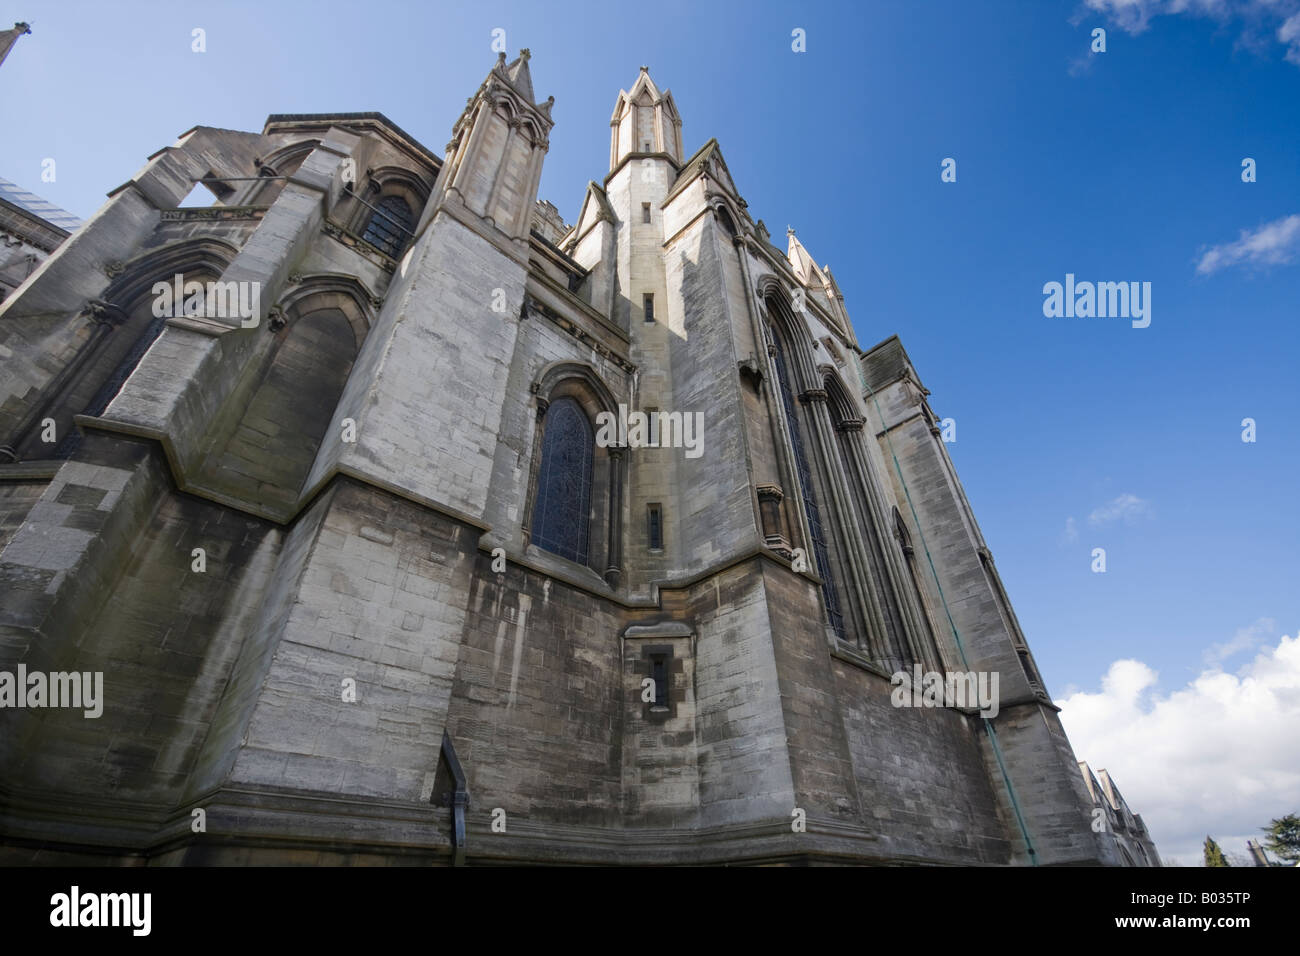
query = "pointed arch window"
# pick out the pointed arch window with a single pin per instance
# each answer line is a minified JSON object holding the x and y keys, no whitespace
{"x":909,"y":557}
{"x":561,"y":513}
{"x":884,"y":635}
{"x":390,"y":225}
{"x":108,"y":391}
{"x":834,"y":615}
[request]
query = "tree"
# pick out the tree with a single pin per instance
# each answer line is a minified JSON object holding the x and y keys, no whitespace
{"x":1213,"y":855}
{"x":1282,"y":836}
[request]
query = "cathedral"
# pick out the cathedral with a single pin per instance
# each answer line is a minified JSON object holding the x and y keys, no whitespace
{"x":373,"y":514}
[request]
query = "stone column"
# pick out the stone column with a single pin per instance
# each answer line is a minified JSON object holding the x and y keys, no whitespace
{"x":614,"y":559}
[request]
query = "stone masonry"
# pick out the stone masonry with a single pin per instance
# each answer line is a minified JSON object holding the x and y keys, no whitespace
{"x":359,"y":594}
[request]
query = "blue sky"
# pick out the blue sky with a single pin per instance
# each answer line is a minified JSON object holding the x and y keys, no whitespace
{"x":1117,"y":166}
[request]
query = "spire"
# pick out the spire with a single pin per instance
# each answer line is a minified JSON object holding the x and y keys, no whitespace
{"x":800,"y":260}
{"x":819,"y":282}
{"x":9,"y":37}
{"x":645,"y":121}
{"x":518,"y":75}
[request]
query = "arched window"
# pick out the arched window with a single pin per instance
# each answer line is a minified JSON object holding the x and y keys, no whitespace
{"x":724,"y":220}
{"x":834,"y":615}
{"x":108,"y":391}
{"x":885,"y":635}
{"x":390,"y":225}
{"x":909,"y":557}
{"x":561,"y":512}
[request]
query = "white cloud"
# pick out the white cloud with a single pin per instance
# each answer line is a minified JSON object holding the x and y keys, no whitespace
{"x":1081,"y":65}
{"x":1219,"y":756}
{"x":1273,"y":243}
{"x":1127,"y":508}
{"x":1257,"y":19}
{"x":1071,"y":533}
{"x":1246,"y":638}
{"x":1289,"y":33}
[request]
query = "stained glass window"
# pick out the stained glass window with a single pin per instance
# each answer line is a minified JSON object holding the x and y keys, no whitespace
{"x":833,"y":613}
{"x":389,"y":225}
{"x":561,"y":512}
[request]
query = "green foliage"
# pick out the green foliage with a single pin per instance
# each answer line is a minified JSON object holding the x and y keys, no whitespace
{"x":1282,"y":837}
{"x":1213,"y":855}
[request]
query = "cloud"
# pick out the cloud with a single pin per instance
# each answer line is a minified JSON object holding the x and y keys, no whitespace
{"x":1273,"y":243}
{"x":1289,"y":33}
{"x":1071,"y":533}
{"x":1261,"y":22}
{"x":1246,"y":638}
{"x":1127,"y":508}
{"x":1219,"y":756}
{"x":1081,"y":65}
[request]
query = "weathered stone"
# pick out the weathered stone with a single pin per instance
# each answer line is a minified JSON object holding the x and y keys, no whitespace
{"x":305,"y":544}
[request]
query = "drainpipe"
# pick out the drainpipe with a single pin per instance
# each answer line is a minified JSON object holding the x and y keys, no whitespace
{"x":459,"y":801}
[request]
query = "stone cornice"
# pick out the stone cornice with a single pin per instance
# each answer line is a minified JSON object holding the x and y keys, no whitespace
{"x":212,"y":213}
{"x":534,"y":306}
{"x":358,"y":245}
{"x":30,"y":228}
{"x":377,"y":123}
{"x":630,"y":157}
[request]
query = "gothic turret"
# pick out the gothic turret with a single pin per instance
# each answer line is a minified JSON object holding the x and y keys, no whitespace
{"x":645,"y":121}
{"x":494,"y":160}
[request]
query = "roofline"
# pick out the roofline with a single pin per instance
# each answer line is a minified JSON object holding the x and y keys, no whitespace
{"x":52,"y":237}
{"x":276,"y":119}
{"x":17,"y":205}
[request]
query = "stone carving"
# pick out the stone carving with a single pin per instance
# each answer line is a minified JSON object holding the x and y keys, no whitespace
{"x":213,"y":213}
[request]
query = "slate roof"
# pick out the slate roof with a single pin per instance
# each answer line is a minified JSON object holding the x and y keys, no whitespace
{"x":41,"y":208}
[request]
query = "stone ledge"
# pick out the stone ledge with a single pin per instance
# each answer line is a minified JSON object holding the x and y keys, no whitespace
{"x":662,"y":629}
{"x":858,"y":660}
{"x":278,"y":820}
{"x":284,"y":517}
{"x":39,"y":470}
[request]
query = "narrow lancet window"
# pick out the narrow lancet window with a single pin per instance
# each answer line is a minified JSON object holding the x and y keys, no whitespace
{"x":561,"y":514}
{"x":834,"y":615}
